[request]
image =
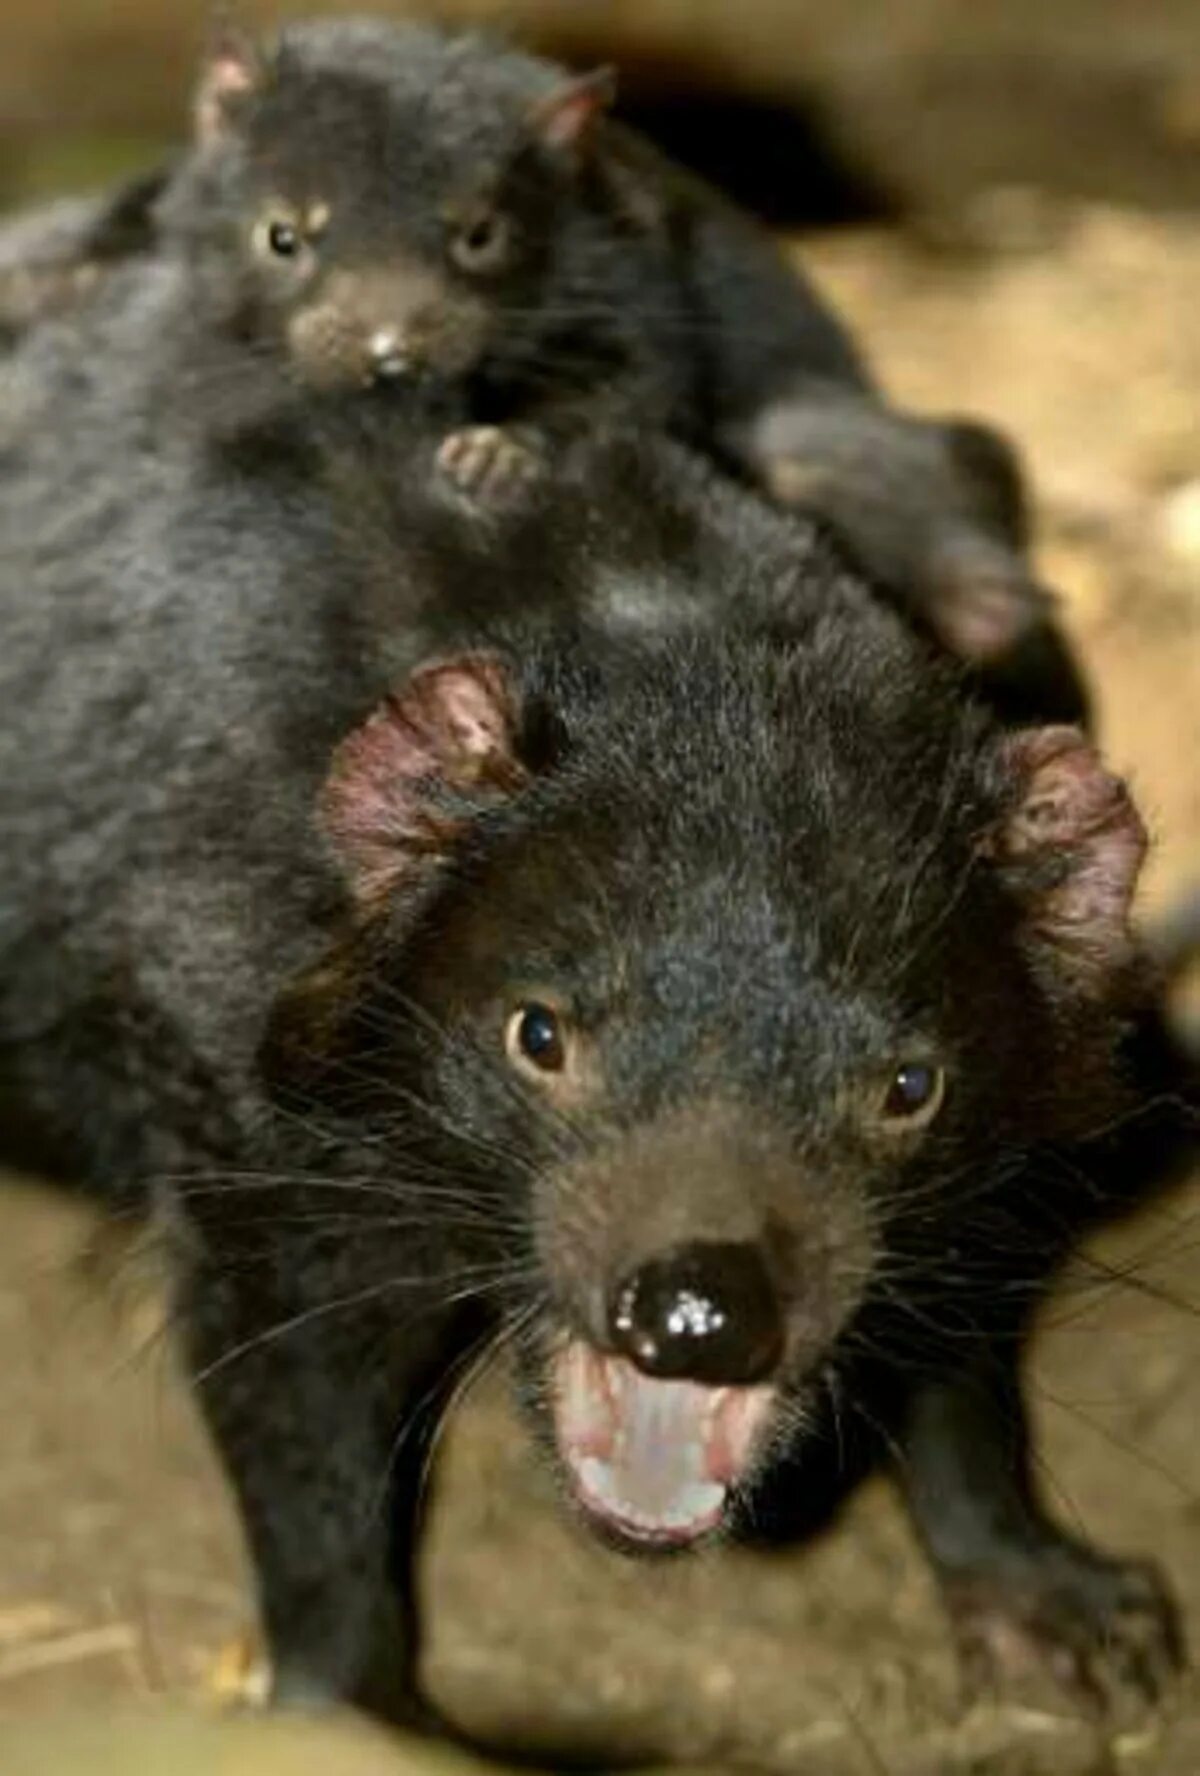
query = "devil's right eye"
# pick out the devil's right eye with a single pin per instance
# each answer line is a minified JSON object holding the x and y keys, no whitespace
{"x":913,"y":1095}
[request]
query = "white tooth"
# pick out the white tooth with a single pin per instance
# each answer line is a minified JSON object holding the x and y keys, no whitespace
{"x":384,"y":342}
{"x":597,"y":1478}
{"x":701,"y":1500}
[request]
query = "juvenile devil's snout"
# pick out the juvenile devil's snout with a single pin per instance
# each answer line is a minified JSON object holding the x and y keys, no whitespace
{"x":382,"y":324}
{"x":388,"y":353}
{"x":706,"y":1312}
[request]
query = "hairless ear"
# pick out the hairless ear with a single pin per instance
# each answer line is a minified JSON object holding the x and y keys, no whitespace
{"x":404,"y":784}
{"x":231,"y":72}
{"x":1070,"y":847}
{"x":565,"y":118}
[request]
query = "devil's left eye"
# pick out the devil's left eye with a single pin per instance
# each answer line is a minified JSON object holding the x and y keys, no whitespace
{"x":535,"y":1038}
{"x":913,"y":1095}
{"x":284,"y":235}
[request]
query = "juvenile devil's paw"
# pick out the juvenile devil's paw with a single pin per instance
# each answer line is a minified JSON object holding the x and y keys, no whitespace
{"x":980,"y":602}
{"x":1105,"y":1632}
{"x":492,"y":466}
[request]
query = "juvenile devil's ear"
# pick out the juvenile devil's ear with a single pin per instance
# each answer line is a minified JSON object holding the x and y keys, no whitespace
{"x":231,"y":72}
{"x":1070,"y":846}
{"x":565,"y":118}
{"x":404,"y":784}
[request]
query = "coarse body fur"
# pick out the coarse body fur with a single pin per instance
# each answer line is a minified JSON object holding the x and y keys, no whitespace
{"x":710,"y":798}
{"x":462,"y":226}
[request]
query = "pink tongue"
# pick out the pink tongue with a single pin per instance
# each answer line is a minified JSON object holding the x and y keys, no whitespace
{"x":653,"y":1458}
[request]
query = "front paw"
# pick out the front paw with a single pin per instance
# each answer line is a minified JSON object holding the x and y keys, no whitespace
{"x":1105,"y":1631}
{"x":492,"y":466}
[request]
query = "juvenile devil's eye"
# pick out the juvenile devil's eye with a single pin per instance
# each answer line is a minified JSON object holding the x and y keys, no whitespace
{"x":913,"y":1095}
{"x":283,"y":239}
{"x":482,"y":243}
{"x":534,"y":1038}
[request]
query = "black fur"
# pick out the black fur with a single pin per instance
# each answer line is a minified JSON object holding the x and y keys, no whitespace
{"x":747,"y":853}
{"x":53,"y":256}
{"x":628,"y":292}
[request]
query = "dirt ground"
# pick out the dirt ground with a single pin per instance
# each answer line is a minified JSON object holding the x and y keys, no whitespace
{"x":120,"y":1572}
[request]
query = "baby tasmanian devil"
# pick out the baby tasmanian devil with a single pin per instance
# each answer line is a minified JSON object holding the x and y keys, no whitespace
{"x":430,"y":216}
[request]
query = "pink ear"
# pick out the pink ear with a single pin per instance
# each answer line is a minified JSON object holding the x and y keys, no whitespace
{"x":1072,"y":847}
{"x":232,"y":70}
{"x":565,"y":117}
{"x":451,"y":727}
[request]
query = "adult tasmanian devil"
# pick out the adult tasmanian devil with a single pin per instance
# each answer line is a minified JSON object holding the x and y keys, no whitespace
{"x":681,"y":976}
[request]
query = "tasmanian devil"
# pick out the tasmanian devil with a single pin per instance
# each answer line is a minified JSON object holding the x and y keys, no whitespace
{"x":393,"y":207}
{"x":716,"y":996}
{"x":690,"y":982}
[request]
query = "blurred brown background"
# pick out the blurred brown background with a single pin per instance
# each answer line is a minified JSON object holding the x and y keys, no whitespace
{"x":1019,"y":191}
{"x":1097,"y":97}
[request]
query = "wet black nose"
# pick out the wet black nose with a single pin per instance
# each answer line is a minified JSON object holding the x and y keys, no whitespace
{"x":706,"y":1312}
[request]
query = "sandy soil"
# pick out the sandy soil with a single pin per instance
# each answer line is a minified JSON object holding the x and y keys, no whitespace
{"x":120,"y":1571}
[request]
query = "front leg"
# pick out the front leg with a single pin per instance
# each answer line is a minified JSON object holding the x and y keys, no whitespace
{"x":323,"y":1414}
{"x":1024,"y":1597}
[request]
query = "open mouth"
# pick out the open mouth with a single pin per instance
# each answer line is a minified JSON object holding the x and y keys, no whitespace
{"x":653,"y":1461}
